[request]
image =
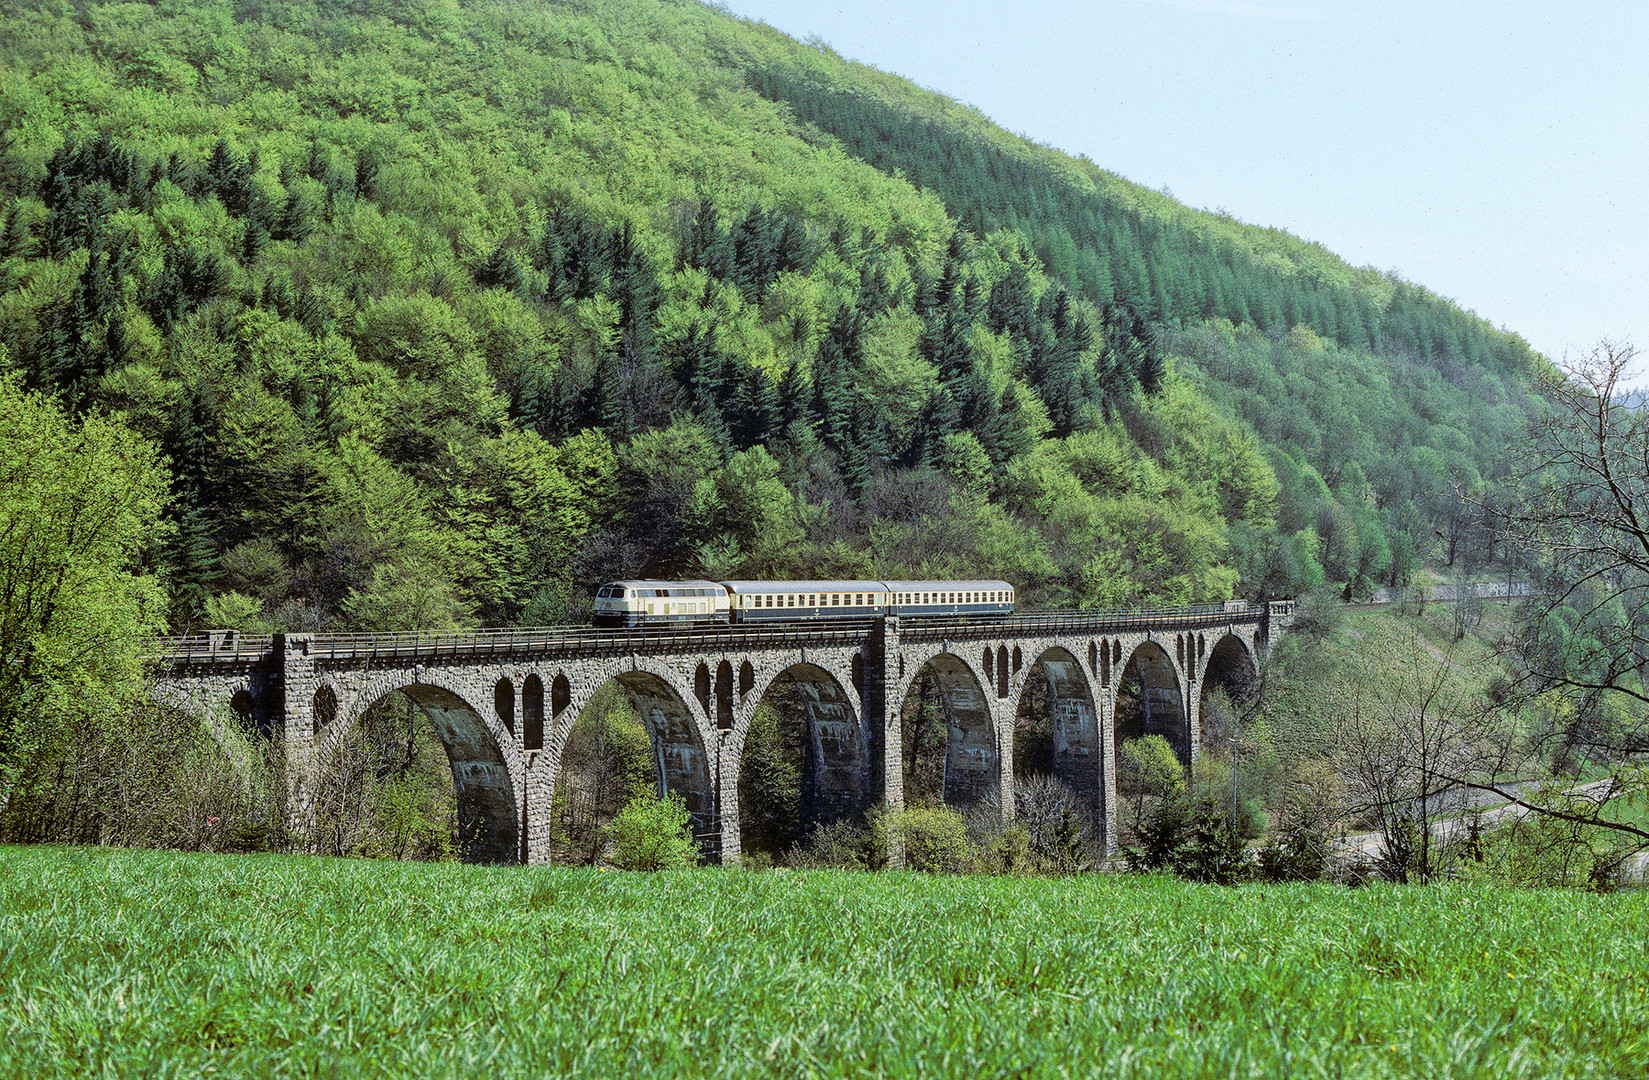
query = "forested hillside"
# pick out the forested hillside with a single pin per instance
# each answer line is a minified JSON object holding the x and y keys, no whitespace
{"x":443,"y":312}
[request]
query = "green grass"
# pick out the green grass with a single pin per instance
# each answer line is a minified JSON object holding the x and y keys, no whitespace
{"x":139,"y":963}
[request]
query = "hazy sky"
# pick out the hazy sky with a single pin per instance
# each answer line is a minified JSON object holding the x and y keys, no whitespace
{"x":1494,"y":152}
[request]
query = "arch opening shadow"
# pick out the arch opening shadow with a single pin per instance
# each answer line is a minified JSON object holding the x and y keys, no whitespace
{"x":1228,"y":685}
{"x":1149,"y":701}
{"x":951,"y":751}
{"x":1056,"y":728}
{"x":635,"y":735}
{"x":805,"y":763}
{"x":393,"y":747}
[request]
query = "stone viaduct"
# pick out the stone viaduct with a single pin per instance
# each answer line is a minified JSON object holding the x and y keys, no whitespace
{"x":504,"y":702}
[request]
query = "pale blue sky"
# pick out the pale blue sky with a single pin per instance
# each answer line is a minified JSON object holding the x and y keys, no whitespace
{"x":1494,"y":152}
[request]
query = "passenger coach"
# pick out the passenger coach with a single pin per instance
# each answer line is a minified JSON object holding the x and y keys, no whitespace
{"x":776,"y":601}
{"x":649,"y":603}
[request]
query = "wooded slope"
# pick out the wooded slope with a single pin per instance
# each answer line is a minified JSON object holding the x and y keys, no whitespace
{"x":444,"y":312}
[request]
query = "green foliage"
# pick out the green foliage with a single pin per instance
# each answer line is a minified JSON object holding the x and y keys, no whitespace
{"x":606,"y":762}
{"x":151,"y":776}
{"x":1298,"y":852}
{"x":651,"y":833}
{"x":440,"y":307}
{"x":1195,"y":842}
{"x":934,"y":838}
{"x":835,"y":845}
{"x":79,"y":508}
{"x":384,"y":789}
{"x":770,"y":782}
{"x":1149,"y":766}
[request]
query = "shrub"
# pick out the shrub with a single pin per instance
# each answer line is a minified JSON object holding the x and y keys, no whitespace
{"x":838,"y":845}
{"x":1298,"y":853}
{"x":651,"y":834}
{"x":1006,"y":850}
{"x":1059,"y":826}
{"x":1195,"y":843}
{"x":935,"y":838}
{"x":1212,"y":851}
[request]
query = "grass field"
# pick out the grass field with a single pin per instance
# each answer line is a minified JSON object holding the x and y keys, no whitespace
{"x":124,"y":963}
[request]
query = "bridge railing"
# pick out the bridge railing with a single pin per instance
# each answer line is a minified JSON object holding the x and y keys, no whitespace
{"x":225,"y":646}
{"x":216,"y":645}
{"x":581,"y":639}
{"x":1086,"y":621}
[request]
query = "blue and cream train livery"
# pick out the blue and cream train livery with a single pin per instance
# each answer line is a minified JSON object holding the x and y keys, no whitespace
{"x":651,"y":603}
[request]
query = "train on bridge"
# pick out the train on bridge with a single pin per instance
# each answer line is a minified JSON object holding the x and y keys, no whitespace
{"x":723,"y":603}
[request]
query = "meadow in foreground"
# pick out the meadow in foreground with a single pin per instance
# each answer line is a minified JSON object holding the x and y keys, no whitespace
{"x":118,"y":962}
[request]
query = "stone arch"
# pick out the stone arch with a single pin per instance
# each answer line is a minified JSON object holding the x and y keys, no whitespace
{"x":1075,"y":755}
{"x":747,"y":679}
{"x":1157,"y":706}
{"x":561,"y":694}
{"x":503,"y":703}
{"x":679,"y":734}
{"x":489,"y":800}
{"x":973,"y":758}
{"x":532,"y":713}
{"x":1003,"y":675}
{"x":837,"y":773}
{"x":1233,"y":667}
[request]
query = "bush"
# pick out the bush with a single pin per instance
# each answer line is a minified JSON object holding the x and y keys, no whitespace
{"x":1298,"y":853}
{"x":839,"y":845}
{"x":1006,"y":850}
{"x":651,"y":834}
{"x":1538,"y":850}
{"x":1196,"y":844}
{"x":1059,"y":826}
{"x":935,"y":838}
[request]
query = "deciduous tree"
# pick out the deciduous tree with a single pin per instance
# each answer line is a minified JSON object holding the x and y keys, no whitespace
{"x":79,"y":504}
